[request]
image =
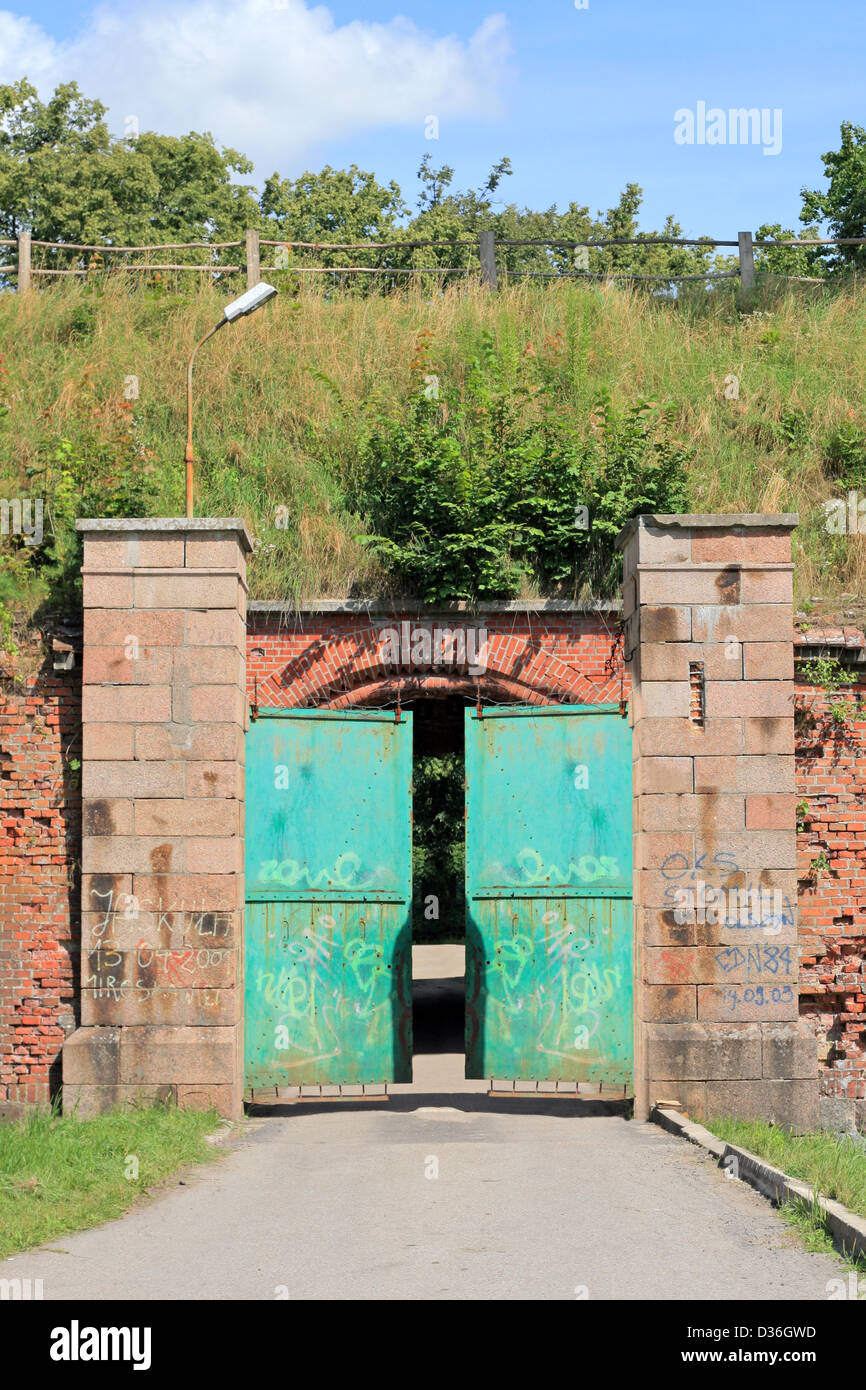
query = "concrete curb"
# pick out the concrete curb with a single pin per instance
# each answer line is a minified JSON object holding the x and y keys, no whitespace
{"x":847,"y":1229}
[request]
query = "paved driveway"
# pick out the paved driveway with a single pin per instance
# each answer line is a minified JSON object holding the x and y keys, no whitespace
{"x":442,"y":1193}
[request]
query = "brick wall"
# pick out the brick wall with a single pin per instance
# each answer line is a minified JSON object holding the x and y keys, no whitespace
{"x":334,"y":658}
{"x":40,"y":828}
{"x":40,"y":837}
{"x":831,"y":777}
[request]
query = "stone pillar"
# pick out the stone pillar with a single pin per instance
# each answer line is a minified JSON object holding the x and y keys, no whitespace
{"x":707,"y":605}
{"x":163,"y":713}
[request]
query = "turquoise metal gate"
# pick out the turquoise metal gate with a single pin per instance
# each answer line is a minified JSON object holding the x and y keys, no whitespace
{"x":548,"y":883}
{"x":328,"y":960}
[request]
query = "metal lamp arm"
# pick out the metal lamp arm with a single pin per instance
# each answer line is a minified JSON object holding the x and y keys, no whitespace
{"x":189,"y":453}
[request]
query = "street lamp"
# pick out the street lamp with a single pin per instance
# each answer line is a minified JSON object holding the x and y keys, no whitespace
{"x":245,"y":304}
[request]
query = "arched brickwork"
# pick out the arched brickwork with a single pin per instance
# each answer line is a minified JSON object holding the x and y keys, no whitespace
{"x":354,"y":669}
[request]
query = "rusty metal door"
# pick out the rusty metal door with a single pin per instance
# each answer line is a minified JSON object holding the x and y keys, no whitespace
{"x":328,"y":957}
{"x":548,"y":888}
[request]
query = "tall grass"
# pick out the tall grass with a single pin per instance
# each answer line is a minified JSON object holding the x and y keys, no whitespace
{"x":280,"y":398}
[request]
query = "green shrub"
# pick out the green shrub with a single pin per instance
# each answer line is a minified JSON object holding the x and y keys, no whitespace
{"x":472,"y":496}
{"x":845,"y":454}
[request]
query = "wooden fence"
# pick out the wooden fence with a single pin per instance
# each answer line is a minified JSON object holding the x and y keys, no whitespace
{"x":485,"y":245}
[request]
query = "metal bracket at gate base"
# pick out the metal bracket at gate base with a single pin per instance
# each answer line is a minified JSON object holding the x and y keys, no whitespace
{"x":598,"y":1090}
{"x":306,"y":1093}
{"x":347,"y":1096}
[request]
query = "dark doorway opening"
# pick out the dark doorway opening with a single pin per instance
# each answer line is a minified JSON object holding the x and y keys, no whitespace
{"x":438,"y":875}
{"x":438,"y":822}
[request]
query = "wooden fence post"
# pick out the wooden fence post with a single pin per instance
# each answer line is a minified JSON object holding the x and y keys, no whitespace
{"x":24,"y":275}
{"x":747,"y":260}
{"x":487,"y":250}
{"x":253,"y":266}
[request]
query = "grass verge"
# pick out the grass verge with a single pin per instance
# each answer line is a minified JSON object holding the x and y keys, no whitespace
{"x":59,"y":1174}
{"x":833,"y":1164}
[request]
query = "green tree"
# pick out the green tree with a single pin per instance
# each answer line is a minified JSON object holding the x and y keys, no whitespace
{"x":448,"y":215}
{"x":198,"y":197}
{"x":481,"y":493}
{"x":621,"y":223}
{"x":63,"y":175}
{"x":842,"y":206}
{"x":341,"y":205}
{"x":788,"y":260}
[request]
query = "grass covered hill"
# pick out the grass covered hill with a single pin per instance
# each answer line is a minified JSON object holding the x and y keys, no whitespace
{"x":439,"y":443}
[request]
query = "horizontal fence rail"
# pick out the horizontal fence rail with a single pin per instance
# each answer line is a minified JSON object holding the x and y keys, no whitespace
{"x":484,"y":264}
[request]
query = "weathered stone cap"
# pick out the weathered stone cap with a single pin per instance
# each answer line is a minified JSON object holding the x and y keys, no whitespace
{"x":187,"y":525}
{"x":827,"y":636}
{"x":703,"y":521}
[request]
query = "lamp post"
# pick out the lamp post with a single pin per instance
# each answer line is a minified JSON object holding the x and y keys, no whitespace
{"x":245,"y":304}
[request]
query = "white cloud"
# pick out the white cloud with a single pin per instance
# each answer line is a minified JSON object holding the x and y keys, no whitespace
{"x":276,"y":79}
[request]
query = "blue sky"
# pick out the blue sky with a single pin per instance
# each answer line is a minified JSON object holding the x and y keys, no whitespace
{"x":582,"y":100}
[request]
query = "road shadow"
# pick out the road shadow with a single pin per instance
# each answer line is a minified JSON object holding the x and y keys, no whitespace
{"x":530,"y":1103}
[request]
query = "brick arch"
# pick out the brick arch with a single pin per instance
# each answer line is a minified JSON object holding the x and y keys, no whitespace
{"x":350,"y":670}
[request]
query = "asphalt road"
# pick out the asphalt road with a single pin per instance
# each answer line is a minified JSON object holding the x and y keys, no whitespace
{"x":442,"y":1193}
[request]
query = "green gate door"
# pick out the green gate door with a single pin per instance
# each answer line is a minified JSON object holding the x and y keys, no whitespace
{"x":548,"y":888}
{"x":328,"y":957}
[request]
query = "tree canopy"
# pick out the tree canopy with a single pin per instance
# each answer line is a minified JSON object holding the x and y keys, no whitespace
{"x":64,"y":176}
{"x":843,"y":205}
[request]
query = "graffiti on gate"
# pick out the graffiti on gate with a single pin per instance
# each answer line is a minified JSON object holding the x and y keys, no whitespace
{"x":551,"y":978}
{"x":322,"y":986}
{"x":535,"y":872}
{"x":288,"y":873}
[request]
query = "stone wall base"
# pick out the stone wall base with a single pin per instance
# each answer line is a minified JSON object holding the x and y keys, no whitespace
{"x":194,"y":1067}
{"x":88,"y":1101}
{"x":842,"y":1114}
{"x":757,"y":1071}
